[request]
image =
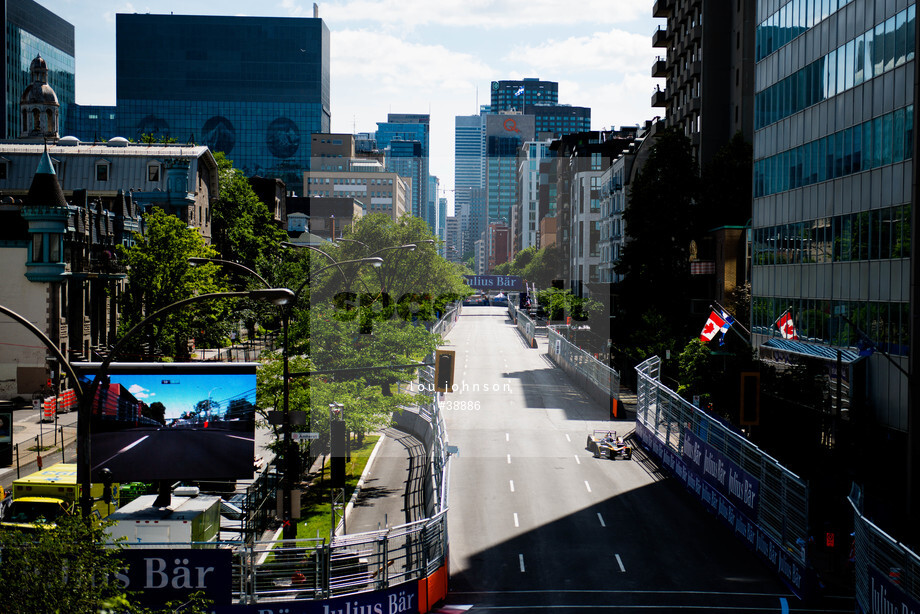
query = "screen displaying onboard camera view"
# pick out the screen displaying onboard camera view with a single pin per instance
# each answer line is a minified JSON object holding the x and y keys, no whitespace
{"x":173,"y":421}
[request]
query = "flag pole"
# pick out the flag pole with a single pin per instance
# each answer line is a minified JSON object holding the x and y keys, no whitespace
{"x":734,"y":322}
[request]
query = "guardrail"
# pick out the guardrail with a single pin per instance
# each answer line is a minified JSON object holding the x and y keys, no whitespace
{"x":525,"y":324}
{"x":316,"y":569}
{"x":887,"y":573}
{"x":598,"y":379}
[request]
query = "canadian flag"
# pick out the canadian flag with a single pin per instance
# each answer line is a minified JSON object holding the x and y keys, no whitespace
{"x":713,"y":325}
{"x":786,"y":326}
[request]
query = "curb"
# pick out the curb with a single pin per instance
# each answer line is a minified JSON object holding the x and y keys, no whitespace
{"x":360,"y":484}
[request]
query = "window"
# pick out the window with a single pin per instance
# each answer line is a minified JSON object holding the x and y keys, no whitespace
{"x":153,"y":172}
{"x":3,"y":164}
{"x":102,"y":172}
{"x":38,"y":252}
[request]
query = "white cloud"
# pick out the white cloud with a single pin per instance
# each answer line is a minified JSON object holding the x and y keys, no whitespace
{"x":477,"y":13}
{"x":139,"y":392}
{"x":371,"y":63}
{"x":615,"y":50}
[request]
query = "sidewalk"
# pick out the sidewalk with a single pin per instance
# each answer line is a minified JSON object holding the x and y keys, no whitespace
{"x":26,"y":428}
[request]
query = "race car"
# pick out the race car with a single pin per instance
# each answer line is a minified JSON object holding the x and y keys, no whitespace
{"x":607,"y":443}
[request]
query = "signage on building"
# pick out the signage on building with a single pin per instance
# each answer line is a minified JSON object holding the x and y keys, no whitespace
{"x":504,"y":283}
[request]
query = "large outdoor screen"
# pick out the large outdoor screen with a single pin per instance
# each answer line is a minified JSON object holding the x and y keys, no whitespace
{"x":172,"y":421}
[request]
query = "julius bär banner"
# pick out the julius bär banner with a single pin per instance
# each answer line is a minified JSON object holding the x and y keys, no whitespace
{"x":503,"y":283}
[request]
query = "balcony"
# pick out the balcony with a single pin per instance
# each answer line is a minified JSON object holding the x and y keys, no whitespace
{"x":661,"y":38}
{"x":660,"y":68}
{"x":696,"y":32}
{"x":660,"y":98}
{"x":663,"y":8}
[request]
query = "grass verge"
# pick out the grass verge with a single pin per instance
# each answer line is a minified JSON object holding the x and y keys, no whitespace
{"x":316,"y":503}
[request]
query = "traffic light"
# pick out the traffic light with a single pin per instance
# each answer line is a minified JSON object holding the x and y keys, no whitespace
{"x":444,"y":370}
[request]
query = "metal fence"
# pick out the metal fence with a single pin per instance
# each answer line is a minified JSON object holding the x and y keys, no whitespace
{"x":783,"y":508}
{"x":286,"y":570}
{"x":875,"y":553}
{"x":582,"y":366}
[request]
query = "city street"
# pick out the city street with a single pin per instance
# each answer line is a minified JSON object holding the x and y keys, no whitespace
{"x":536,"y":522}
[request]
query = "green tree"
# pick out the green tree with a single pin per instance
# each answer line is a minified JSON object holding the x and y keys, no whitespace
{"x":562,"y":304}
{"x":695,"y":367}
{"x":159,"y":274}
{"x":242,"y":226}
{"x":660,"y":221}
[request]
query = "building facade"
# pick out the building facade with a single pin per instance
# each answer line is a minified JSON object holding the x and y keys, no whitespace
{"x":406,"y":140}
{"x":254,"y":88}
{"x":31,"y":30}
{"x":707,"y":68}
{"x":833,"y":205}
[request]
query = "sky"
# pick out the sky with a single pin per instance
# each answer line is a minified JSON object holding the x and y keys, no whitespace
{"x":428,"y":56}
{"x":185,"y":391}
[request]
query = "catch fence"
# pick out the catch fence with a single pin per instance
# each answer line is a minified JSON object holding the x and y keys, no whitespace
{"x":782,"y":507}
{"x":600,"y":380}
{"x":887,"y":572}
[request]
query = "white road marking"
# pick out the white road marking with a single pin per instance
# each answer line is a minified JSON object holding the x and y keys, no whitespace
{"x":512,"y":485}
{"x":516,"y":524}
{"x":521,"y":558}
{"x":507,"y":437}
{"x":620,"y":563}
{"x":509,"y":459}
{"x":601,"y":518}
{"x":588,"y":486}
{"x":577,"y":460}
{"x":567,"y":438}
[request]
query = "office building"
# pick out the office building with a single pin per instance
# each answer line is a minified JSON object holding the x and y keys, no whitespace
{"x":533,"y":154}
{"x":31,"y":30}
{"x":254,"y":88}
{"x":503,"y":134}
{"x":469,"y":172}
{"x":405,"y":137}
{"x":708,"y":70}
{"x":833,"y":213}
{"x":541,"y":100}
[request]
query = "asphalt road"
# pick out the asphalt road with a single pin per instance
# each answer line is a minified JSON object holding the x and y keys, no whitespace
{"x":148,"y":453}
{"x":537,"y":523}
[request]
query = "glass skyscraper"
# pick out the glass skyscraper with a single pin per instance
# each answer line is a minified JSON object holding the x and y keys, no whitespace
{"x":254,"y":88}
{"x":832,"y":210}
{"x":30,"y":29}
{"x":397,"y":134}
{"x":540,"y":99}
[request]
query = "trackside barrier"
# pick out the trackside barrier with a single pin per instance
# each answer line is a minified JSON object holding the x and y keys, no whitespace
{"x":599,"y":380}
{"x":762,"y":502}
{"x":524,"y":323}
{"x":887,"y":572}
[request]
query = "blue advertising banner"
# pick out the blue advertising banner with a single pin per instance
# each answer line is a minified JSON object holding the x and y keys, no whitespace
{"x":800,"y":579}
{"x":401,"y":599}
{"x":173,"y":574}
{"x":887,"y":597}
{"x":504,"y":283}
{"x":725,"y":475}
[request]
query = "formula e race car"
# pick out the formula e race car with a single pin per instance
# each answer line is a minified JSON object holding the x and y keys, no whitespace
{"x":606,"y":443}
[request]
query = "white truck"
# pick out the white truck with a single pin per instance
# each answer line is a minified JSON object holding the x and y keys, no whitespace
{"x":191,"y":521}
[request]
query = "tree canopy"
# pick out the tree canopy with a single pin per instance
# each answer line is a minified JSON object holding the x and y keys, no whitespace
{"x":661,"y":221}
{"x":159,"y":274}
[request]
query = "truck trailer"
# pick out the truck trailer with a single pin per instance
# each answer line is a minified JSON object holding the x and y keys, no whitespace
{"x":191,"y":521}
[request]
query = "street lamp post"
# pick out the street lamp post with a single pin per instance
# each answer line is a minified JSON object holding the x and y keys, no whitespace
{"x":288,"y":457}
